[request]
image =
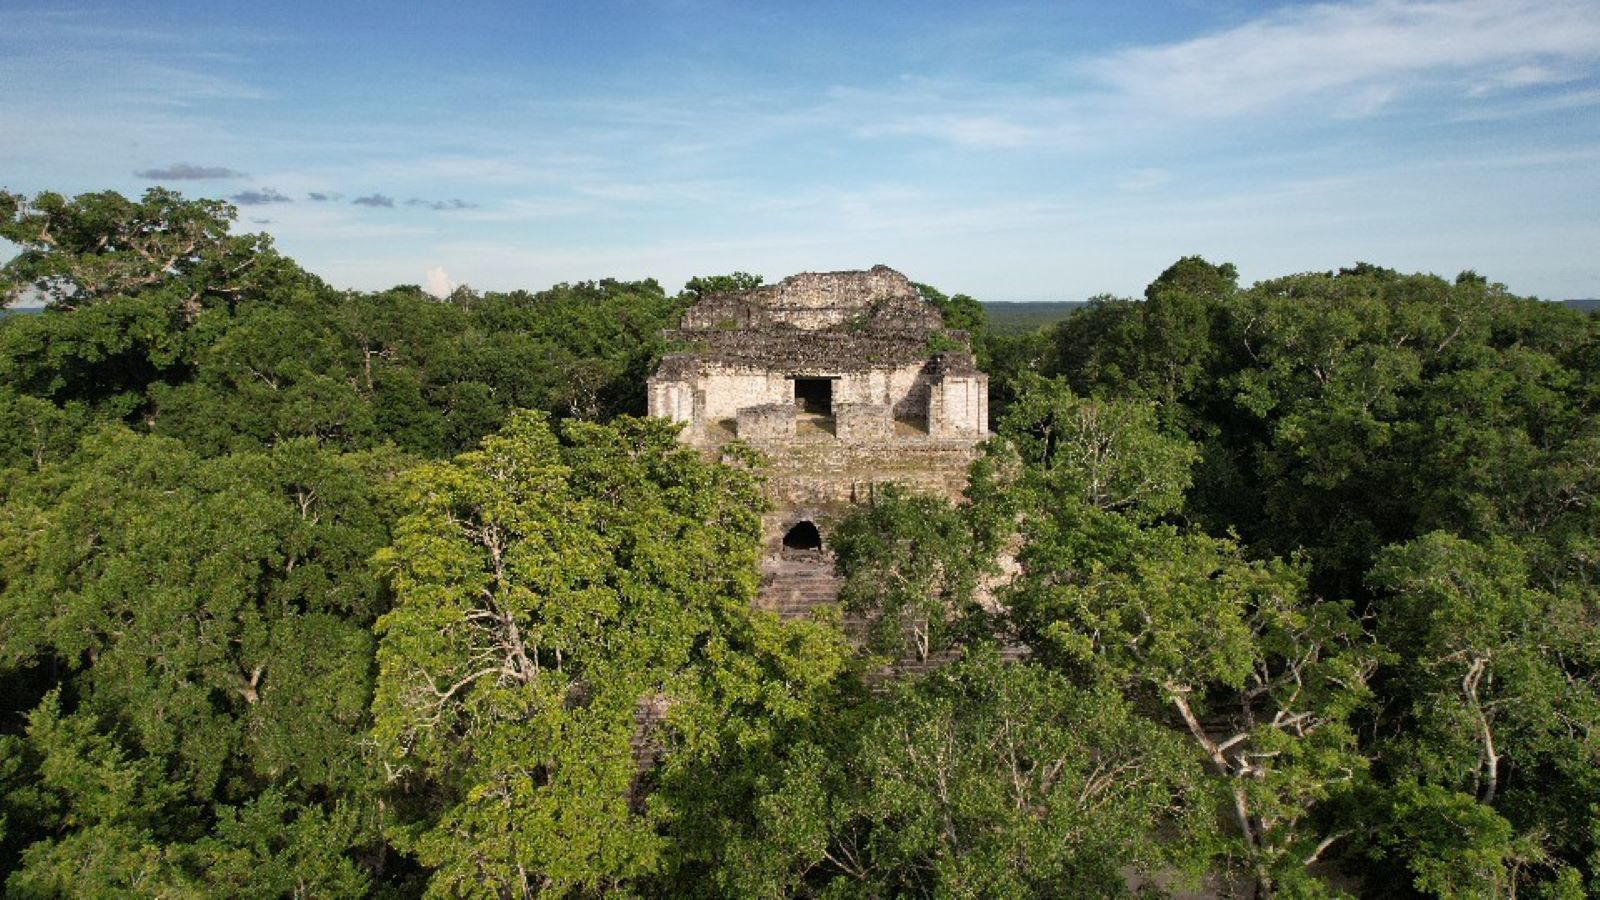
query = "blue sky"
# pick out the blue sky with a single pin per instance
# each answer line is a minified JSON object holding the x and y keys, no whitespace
{"x":1013,"y":151}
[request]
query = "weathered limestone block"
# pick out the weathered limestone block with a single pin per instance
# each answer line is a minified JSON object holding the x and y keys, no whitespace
{"x":729,"y":389}
{"x":880,"y":297}
{"x":671,"y":400}
{"x":958,"y":407}
{"x":766,"y":423}
{"x":863,"y":423}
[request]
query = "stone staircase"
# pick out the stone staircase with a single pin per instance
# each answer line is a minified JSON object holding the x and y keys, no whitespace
{"x":793,"y":588}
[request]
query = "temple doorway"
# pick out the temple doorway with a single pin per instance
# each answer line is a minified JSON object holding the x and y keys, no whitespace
{"x":814,"y":396}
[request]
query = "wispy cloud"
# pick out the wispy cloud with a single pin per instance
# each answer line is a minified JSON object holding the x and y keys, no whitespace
{"x":260,"y":197}
{"x":530,"y":209}
{"x":1524,"y":76}
{"x":438,"y":205}
{"x":1522,"y":107}
{"x":1374,"y":49}
{"x":324,"y":196}
{"x":182,"y":171}
{"x":967,"y":125}
{"x":1321,"y":62}
{"x":375,"y":200}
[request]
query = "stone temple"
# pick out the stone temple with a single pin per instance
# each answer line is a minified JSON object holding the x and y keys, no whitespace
{"x":844,"y":381}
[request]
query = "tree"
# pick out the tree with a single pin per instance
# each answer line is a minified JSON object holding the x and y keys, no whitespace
{"x":981,"y":779}
{"x":1261,"y":676}
{"x":701,"y":286}
{"x":960,"y":312}
{"x":133,"y":289}
{"x":557,"y":596}
{"x":911,"y":565}
{"x":1107,"y":455}
{"x":1502,"y":707}
{"x":199,"y":633}
{"x":34,"y":432}
{"x":597,"y":342}
{"x":94,"y":247}
{"x":1341,"y":412}
{"x":1263,"y":679}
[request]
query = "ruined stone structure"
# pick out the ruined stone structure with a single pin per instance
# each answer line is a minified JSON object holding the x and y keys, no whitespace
{"x":844,"y":381}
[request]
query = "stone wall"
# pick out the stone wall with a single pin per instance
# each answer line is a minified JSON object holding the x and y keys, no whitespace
{"x":723,"y":392}
{"x":959,"y":407}
{"x":879,"y":299}
{"x":769,"y":423}
{"x":863,"y":423}
{"x":671,"y":399}
{"x":712,"y":393}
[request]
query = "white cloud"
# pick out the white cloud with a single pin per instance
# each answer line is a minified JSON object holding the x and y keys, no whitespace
{"x":969,"y":129}
{"x":1348,"y":60}
{"x":1523,"y":76}
{"x":438,"y":283}
{"x":1521,"y":108}
{"x":1355,"y":50}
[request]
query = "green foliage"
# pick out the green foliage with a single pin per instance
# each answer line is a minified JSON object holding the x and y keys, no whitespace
{"x":208,"y":623}
{"x":433,"y":377}
{"x":162,"y":320}
{"x":1263,"y":677}
{"x":1346,"y":411}
{"x":705,"y":285}
{"x":1502,"y":706}
{"x":941,"y":342}
{"x":1014,"y":319}
{"x":911,"y":565}
{"x":982,"y":779}
{"x":1451,"y":845}
{"x":555,"y":594}
{"x":1109,"y":456}
{"x":790,"y":689}
{"x":34,"y":431}
{"x":960,"y":312}
{"x":1010,"y":359}
{"x":95,"y":248}
{"x":1340,"y":413}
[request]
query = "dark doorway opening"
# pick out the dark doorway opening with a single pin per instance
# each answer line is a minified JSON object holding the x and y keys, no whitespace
{"x":803,"y":536}
{"x":814,"y":395}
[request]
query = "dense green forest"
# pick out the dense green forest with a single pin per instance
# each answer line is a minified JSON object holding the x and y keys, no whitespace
{"x":1008,"y":319}
{"x":327,"y":593}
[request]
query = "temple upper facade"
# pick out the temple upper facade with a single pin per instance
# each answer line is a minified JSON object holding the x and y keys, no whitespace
{"x":852,"y":357}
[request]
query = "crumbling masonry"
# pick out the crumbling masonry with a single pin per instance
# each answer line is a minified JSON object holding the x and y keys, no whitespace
{"x":844,"y":381}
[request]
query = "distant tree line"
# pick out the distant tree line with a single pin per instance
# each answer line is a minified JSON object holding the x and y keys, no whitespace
{"x":1286,"y":590}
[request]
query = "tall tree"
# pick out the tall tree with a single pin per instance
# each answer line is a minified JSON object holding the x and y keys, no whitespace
{"x":981,"y":779}
{"x":200,"y":634}
{"x":557,"y":596}
{"x":705,"y":285}
{"x":1501,"y":686}
{"x":1263,"y":677}
{"x":95,"y":247}
{"x":912,"y":565}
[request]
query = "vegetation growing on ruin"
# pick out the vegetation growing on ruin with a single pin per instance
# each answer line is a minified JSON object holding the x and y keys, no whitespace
{"x":328,"y":593}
